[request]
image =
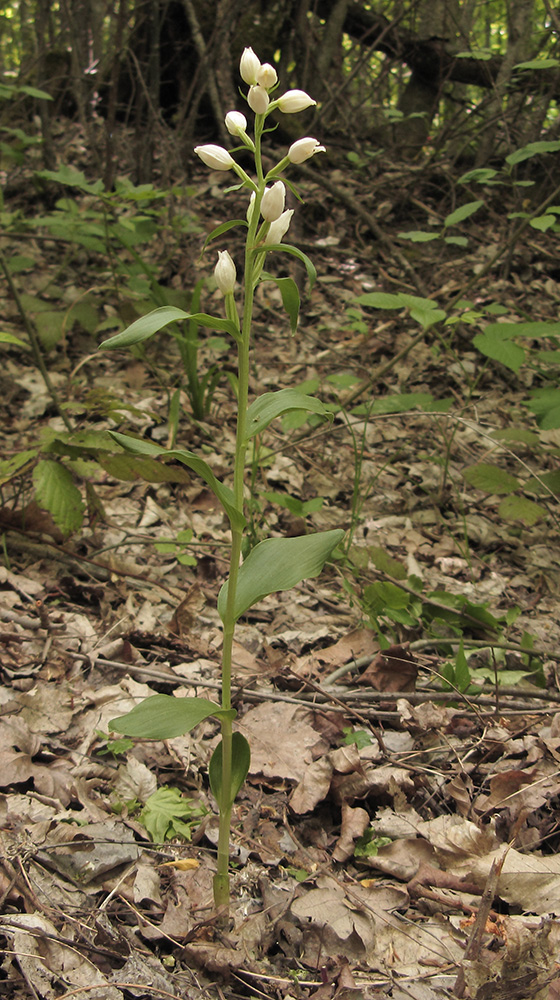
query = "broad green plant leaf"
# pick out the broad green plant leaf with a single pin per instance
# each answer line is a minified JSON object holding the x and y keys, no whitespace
{"x":538,"y":64}
{"x":491,"y":479}
{"x":145,"y":327}
{"x":515,"y":508}
{"x":198,"y":465}
{"x":279,"y":564}
{"x":547,"y":483}
{"x":461,"y":213}
{"x":532,"y":149}
{"x":9,"y":338}
{"x":161,"y":717}
{"x":497,"y":344}
{"x":168,"y":814}
{"x":10,"y":467}
{"x":419,"y":236}
{"x":57,"y":493}
{"x":74,"y":178}
{"x":545,"y":404}
{"x":240,"y":761}
{"x":270,"y":405}
{"x":543,"y":222}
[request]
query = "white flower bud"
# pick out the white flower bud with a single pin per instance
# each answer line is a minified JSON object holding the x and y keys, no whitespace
{"x":250,"y":207}
{"x":235,"y":122}
{"x":272,"y":204}
{"x":294,"y":100}
{"x":249,"y":66}
{"x":279,"y":228}
{"x":304,"y":148}
{"x":215,"y":157}
{"x":267,"y":76}
{"x":258,"y":100}
{"x":225,"y":272}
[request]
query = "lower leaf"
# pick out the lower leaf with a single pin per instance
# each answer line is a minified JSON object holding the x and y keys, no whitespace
{"x":162,"y":717}
{"x":240,"y":760}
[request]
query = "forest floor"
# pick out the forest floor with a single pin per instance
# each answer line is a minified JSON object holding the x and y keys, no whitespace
{"x":398,"y":832}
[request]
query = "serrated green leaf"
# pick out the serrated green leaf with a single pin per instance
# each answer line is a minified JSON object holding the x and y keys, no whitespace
{"x":279,"y":564}
{"x":517,"y":508}
{"x":270,"y":405}
{"x":427,"y":317}
{"x":547,"y":482}
{"x":57,"y":493}
{"x":167,"y":813}
{"x":10,"y":467}
{"x":493,"y":344}
{"x":240,"y":762}
{"x":545,"y":404}
{"x":162,"y":717}
{"x":491,"y":479}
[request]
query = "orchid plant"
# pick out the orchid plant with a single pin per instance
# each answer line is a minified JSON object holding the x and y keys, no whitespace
{"x":276,"y":563}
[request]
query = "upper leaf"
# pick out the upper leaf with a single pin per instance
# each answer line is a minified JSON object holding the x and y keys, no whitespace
{"x":156,"y":320}
{"x":279,"y":564}
{"x":265,"y":408}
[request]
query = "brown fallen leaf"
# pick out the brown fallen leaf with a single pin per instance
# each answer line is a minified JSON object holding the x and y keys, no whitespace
{"x":394,"y":669}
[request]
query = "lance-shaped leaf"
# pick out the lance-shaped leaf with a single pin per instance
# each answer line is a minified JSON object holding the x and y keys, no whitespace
{"x":290,"y":296}
{"x":296,"y":252}
{"x":462,"y":213}
{"x":278,"y":564}
{"x":161,"y":717}
{"x":270,"y":405}
{"x":240,"y":760}
{"x":223,"y":228}
{"x":156,"y":320}
{"x":198,"y":465}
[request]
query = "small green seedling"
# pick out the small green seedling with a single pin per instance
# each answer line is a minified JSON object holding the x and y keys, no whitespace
{"x":274,"y":564}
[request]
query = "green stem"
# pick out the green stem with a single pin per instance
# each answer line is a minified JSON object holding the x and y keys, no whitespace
{"x":221,"y":879}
